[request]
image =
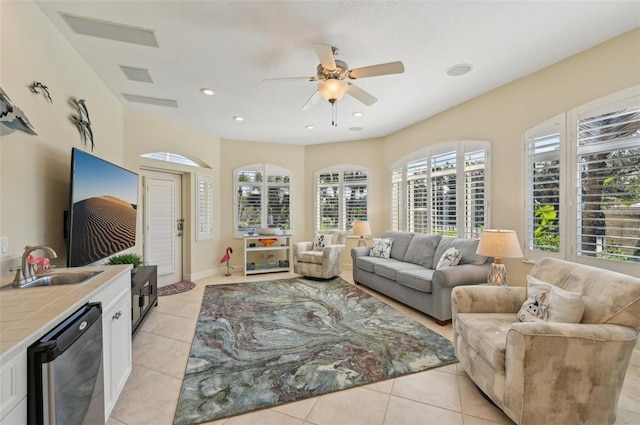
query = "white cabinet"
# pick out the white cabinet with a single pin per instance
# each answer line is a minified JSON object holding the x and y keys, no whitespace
{"x":116,"y":337}
{"x":13,"y":388}
{"x":259,"y":258}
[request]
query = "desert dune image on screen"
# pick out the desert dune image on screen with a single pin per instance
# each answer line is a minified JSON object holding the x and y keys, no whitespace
{"x":103,"y":217}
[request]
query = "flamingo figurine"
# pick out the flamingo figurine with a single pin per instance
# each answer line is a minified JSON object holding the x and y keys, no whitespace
{"x":226,"y":257}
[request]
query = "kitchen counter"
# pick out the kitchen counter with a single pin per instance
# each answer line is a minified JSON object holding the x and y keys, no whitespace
{"x":26,"y":314}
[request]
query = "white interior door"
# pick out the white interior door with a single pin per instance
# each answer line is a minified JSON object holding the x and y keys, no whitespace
{"x":163,"y":224}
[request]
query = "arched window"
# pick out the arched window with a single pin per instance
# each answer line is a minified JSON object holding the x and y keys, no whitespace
{"x":442,"y":189}
{"x":341,"y":196}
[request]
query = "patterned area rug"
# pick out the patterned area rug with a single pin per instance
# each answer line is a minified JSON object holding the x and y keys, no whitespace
{"x":176,"y":288}
{"x":261,"y":344}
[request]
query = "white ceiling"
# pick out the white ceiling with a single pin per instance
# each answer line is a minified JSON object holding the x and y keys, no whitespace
{"x":231,"y":46}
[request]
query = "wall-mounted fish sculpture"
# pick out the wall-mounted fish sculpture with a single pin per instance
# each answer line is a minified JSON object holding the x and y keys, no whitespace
{"x":12,"y":118}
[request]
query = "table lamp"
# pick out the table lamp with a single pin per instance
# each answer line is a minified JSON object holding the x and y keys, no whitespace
{"x":361,"y":228}
{"x":499,"y":244}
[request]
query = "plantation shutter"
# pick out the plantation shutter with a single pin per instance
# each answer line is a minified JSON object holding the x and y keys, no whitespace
{"x":355,"y":197}
{"x":204,"y":218}
{"x":328,"y":200}
{"x":608,"y":165}
{"x":341,"y":197}
{"x":475,"y":202}
{"x":418,"y":196}
{"x":263,"y":197}
{"x":397,"y":199}
{"x":543,"y":189}
{"x":444,"y":191}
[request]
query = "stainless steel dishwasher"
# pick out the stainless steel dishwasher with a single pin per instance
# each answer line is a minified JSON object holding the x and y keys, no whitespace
{"x":65,"y":383}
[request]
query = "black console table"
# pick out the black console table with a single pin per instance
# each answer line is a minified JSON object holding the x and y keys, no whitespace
{"x":144,"y":294}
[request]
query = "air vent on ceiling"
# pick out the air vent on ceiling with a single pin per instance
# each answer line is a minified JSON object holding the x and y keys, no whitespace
{"x":170,"y":103}
{"x":110,"y":30}
{"x":136,"y":74}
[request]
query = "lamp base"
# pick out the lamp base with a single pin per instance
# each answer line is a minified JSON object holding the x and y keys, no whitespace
{"x":361,"y":242}
{"x":498,"y":275}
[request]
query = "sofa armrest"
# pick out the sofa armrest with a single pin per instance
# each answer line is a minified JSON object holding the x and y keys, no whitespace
{"x":465,"y":274}
{"x":487,"y":299}
{"x":542,"y":361}
{"x":361,"y":251}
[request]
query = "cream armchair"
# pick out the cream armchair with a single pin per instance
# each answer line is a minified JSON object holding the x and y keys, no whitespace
{"x":323,"y":264}
{"x":550,"y":373}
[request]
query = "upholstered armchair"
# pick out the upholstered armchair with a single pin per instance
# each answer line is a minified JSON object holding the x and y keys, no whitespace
{"x":547,"y":372}
{"x":323,"y":263}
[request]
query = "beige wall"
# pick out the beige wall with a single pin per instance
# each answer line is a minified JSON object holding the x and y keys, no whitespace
{"x":34,"y":170}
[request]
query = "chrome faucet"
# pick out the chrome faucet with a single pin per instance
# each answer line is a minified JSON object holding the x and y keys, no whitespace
{"x":26,"y":268}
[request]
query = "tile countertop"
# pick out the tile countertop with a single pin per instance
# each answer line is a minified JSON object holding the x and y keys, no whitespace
{"x":28,"y":313}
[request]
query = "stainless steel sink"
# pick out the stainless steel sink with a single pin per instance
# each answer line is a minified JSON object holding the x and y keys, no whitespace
{"x":61,"y":278}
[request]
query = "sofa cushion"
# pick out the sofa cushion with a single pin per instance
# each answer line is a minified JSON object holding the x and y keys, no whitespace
{"x":419,"y":279}
{"x":467,"y":248}
{"x":421,"y":250}
{"x":368,"y":264}
{"x":486,"y":333}
{"x":401,"y":242}
{"x":381,"y":247}
{"x":314,"y":257}
{"x":390,"y":269}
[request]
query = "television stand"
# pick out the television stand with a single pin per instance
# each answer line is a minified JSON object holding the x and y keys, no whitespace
{"x":144,"y":294}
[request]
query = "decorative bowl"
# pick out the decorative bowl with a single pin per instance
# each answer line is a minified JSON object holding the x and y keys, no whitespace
{"x":267,"y":230}
{"x":268,"y":242}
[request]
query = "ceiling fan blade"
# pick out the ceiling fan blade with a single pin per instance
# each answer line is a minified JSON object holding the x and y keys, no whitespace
{"x":271,"y":80}
{"x":361,"y":95}
{"x":325,"y":54}
{"x":375,"y":70}
{"x":312,"y":101}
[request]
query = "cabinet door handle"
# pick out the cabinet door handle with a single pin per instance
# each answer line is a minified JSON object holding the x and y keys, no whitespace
{"x":117,"y":315}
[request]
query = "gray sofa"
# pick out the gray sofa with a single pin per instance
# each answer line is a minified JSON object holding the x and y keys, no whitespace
{"x":409,"y":275}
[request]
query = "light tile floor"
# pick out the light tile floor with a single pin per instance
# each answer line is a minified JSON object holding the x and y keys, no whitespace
{"x":442,"y":396}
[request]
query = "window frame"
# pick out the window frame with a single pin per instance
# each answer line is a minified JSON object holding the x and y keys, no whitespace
{"x":341,"y":170}
{"x":267,"y":171}
{"x":204,"y":207}
{"x":401,"y":180}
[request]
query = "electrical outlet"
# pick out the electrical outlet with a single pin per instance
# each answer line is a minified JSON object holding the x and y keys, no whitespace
{"x":4,"y":246}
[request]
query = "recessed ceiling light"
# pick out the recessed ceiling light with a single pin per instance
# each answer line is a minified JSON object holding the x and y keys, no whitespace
{"x":238,"y":118}
{"x":309,"y":127}
{"x":459,"y":69}
{"x":357,"y":114}
{"x":208,"y":92}
{"x":355,"y":128}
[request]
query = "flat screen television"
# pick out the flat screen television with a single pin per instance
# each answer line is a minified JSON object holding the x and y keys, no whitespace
{"x":102,"y":214}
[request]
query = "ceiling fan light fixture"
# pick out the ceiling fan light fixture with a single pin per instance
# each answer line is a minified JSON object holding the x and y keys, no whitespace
{"x":332,"y":89}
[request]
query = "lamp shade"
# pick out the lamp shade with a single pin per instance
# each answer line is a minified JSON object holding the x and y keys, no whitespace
{"x":361,"y":228}
{"x":332,"y":89}
{"x":499,"y":243}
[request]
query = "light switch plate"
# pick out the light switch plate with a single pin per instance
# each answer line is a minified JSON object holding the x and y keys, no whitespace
{"x":4,"y":246}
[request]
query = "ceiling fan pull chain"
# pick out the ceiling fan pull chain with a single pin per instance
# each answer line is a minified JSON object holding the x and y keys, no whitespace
{"x":334,"y":113}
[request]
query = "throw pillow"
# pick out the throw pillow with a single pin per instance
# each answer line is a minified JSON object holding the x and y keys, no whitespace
{"x":548,"y":303}
{"x":381,"y":248}
{"x":321,"y":241}
{"x":450,"y":258}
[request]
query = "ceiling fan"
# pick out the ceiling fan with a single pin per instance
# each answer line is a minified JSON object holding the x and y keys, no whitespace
{"x":332,"y":75}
